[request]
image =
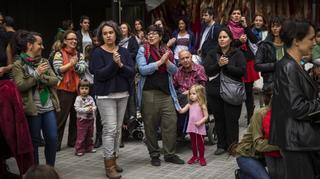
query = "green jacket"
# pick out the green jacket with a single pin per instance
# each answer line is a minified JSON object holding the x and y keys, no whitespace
{"x":316,"y":52}
{"x":253,"y":143}
{"x":27,"y":83}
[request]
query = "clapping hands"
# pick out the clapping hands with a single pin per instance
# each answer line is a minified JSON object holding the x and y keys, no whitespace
{"x":117,"y":59}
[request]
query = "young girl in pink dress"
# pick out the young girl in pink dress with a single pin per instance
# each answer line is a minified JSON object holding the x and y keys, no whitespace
{"x":198,"y":114}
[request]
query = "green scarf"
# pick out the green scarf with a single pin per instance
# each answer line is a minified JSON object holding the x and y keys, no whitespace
{"x":44,"y":91}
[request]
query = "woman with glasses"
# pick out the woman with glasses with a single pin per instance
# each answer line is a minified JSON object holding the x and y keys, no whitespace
{"x":69,"y":65}
{"x":157,"y":96}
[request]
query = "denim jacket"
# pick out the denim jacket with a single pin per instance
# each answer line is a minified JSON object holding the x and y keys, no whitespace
{"x":148,"y":69}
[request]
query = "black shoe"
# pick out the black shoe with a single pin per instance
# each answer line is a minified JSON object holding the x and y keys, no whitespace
{"x":71,"y":145}
{"x":155,"y":161}
{"x":98,"y":142}
{"x":58,"y":148}
{"x":121,"y":144}
{"x":219,"y":151}
{"x":174,"y":159}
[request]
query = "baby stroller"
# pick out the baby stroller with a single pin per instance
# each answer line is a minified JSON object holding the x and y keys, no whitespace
{"x":134,"y":129}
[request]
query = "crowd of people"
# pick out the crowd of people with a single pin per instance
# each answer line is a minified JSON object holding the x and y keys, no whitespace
{"x":114,"y":74}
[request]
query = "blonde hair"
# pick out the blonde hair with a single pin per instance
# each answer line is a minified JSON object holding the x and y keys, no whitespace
{"x":201,"y":94}
{"x":56,"y":45}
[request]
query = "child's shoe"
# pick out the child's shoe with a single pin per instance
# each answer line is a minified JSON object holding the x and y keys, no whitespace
{"x":92,"y":151}
{"x":79,"y":154}
{"x":202,"y":162}
{"x":192,"y":160}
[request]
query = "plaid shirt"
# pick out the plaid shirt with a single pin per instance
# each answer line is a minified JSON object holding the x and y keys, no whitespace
{"x":183,"y":79}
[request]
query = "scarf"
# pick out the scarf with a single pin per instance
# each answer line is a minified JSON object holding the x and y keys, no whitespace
{"x":70,"y":79}
{"x":156,"y":54}
{"x":237,"y":30}
{"x":124,"y":42}
{"x":257,"y":33}
{"x":33,"y":63}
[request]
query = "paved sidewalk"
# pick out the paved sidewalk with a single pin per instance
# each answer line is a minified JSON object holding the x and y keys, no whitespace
{"x":136,"y":163}
{"x":135,"y":160}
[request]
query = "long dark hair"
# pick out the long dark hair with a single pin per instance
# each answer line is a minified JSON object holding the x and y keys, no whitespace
{"x":185,"y":20}
{"x":229,"y":33}
{"x":129,"y":28}
{"x":265,"y":25}
{"x":134,"y":25}
{"x":275,"y":20}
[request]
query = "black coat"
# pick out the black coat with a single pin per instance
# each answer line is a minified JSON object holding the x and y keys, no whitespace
{"x":211,"y":42}
{"x":79,"y":37}
{"x":236,"y":68}
{"x":265,"y":62}
{"x":133,"y":47}
{"x":295,"y":96}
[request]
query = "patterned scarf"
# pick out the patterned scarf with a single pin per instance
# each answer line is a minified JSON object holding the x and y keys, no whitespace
{"x":33,"y":63}
{"x":71,"y":78}
{"x":156,"y":54}
{"x":237,"y":30}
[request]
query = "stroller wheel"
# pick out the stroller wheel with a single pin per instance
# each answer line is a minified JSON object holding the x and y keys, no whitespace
{"x":138,"y":135}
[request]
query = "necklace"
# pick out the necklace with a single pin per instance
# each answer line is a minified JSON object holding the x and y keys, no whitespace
{"x":110,"y":49}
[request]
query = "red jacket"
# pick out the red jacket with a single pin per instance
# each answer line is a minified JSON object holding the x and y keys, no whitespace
{"x":266,"y":131}
{"x":14,"y":126}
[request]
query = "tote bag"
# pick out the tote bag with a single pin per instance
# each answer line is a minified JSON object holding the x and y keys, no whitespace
{"x":232,"y":91}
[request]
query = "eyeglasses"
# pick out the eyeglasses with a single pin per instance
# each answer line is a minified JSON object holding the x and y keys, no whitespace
{"x":152,"y":33}
{"x":72,"y":39}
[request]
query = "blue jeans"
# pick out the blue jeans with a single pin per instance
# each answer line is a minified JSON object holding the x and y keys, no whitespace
{"x":251,"y":168}
{"x":48,"y":124}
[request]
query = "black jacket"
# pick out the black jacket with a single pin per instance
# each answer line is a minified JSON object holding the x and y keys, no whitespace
{"x":253,"y":39}
{"x":265,"y":62}
{"x":236,"y":68}
{"x":79,"y":37}
{"x":211,"y":42}
{"x":295,"y":96}
{"x":133,"y":47}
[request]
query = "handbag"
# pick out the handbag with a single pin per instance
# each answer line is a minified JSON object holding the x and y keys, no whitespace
{"x":232,"y":91}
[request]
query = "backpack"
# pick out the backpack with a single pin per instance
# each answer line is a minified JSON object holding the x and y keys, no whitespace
{"x":51,"y":58}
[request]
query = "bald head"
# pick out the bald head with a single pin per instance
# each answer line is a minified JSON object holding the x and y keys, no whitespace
{"x":185,"y":58}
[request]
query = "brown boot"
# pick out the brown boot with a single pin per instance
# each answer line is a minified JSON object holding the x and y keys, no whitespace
{"x":118,"y":168}
{"x":110,"y":168}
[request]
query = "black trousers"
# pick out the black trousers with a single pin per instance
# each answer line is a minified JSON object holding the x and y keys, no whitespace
{"x":249,"y":101}
{"x":67,"y":100}
{"x":227,"y":120}
{"x":299,"y":165}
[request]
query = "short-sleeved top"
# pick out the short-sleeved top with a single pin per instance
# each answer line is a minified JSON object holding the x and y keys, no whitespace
{"x":195,"y":114}
{"x":182,"y":44}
